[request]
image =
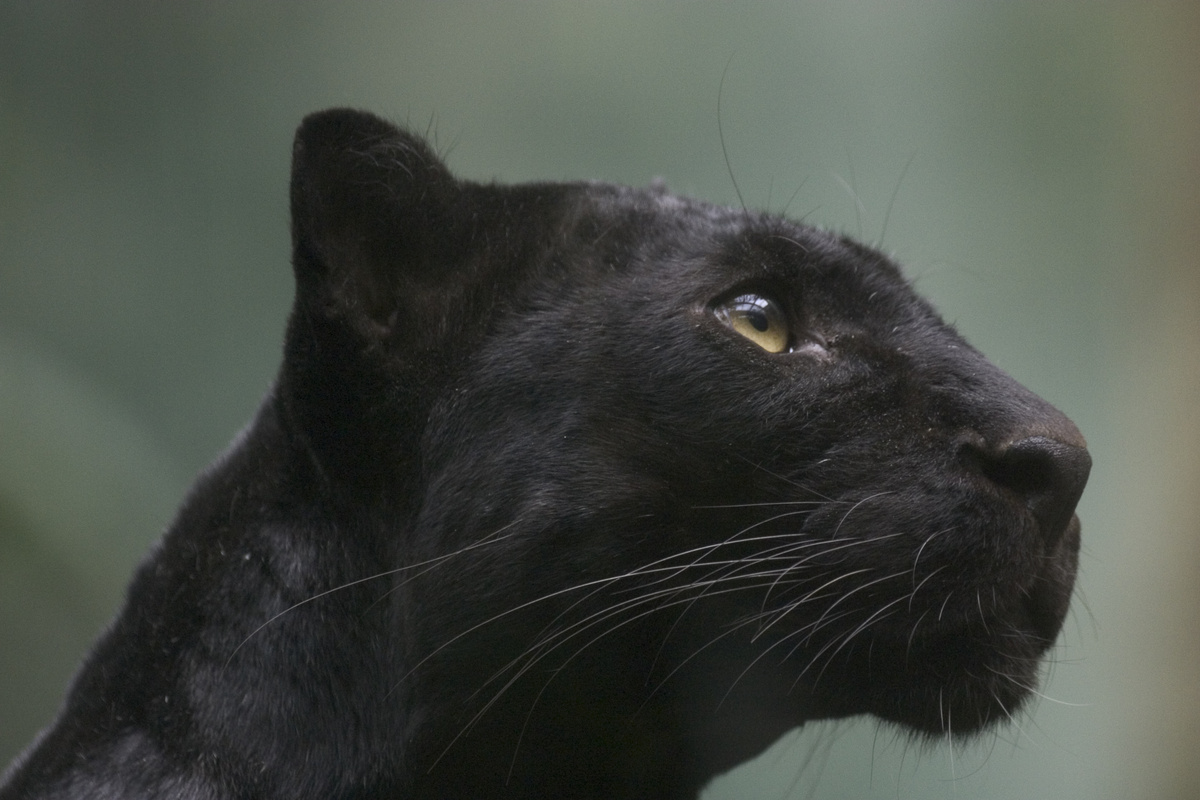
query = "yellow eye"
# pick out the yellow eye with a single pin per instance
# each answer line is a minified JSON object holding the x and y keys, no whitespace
{"x":757,"y":318}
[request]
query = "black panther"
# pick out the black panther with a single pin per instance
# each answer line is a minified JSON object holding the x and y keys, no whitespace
{"x":572,"y":490}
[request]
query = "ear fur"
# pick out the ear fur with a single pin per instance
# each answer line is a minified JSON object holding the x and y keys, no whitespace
{"x":369,"y":205}
{"x":375,"y":236}
{"x":399,"y":267}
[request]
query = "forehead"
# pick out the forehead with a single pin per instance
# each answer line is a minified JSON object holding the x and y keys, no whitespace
{"x":654,"y":230}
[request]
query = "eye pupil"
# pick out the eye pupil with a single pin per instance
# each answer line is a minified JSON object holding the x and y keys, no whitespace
{"x":758,"y":319}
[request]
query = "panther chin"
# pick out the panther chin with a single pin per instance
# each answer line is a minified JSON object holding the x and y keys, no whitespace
{"x":963,"y":676}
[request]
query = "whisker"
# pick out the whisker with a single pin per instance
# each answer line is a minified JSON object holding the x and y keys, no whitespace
{"x":545,"y":647}
{"x":879,"y":614}
{"x":921,"y":549}
{"x":1033,"y":690}
{"x":768,"y":504}
{"x":913,"y":594}
{"x":491,"y":538}
{"x":792,"y":606}
{"x":855,"y":507}
{"x":788,"y":481}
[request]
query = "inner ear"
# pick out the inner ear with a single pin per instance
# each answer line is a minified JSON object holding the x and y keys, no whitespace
{"x":371,"y":206}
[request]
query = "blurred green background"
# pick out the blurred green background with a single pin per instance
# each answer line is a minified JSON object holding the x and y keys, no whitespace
{"x":1045,"y":163}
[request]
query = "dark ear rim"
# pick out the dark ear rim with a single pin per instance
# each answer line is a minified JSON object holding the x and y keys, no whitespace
{"x":367,"y":200}
{"x":346,"y":134}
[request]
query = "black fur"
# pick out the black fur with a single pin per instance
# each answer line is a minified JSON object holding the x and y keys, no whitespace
{"x":523,"y":516}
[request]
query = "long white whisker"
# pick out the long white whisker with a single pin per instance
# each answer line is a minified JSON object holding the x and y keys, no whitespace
{"x":921,"y":549}
{"x":855,"y":507}
{"x":491,"y":538}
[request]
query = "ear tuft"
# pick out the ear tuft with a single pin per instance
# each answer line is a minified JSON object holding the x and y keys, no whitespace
{"x":369,"y":203}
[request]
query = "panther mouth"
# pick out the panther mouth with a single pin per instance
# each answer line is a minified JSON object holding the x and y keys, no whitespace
{"x":980,"y":663}
{"x":964,"y":677}
{"x":964,"y":659}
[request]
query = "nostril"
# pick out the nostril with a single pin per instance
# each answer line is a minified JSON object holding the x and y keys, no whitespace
{"x":1048,"y":474}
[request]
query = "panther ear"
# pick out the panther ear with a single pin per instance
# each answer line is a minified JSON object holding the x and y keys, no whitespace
{"x":370,"y":209}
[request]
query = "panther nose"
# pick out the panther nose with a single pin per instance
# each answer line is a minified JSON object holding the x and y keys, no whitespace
{"x":1048,"y":474}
